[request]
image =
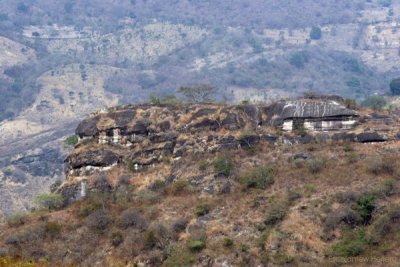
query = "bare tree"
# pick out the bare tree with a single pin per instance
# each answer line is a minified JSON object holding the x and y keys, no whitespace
{"x":198,"y":93}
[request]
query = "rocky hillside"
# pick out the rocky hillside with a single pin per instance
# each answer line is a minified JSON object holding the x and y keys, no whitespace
{"x":220,"y":185}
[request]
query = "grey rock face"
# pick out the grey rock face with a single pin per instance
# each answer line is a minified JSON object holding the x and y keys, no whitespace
{"x":88,"y":127}
{"x":95,"y":158}
{"x":370,"y":137}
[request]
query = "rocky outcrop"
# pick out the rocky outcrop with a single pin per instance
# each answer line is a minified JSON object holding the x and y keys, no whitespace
{"x":371,"y":137}
{"x":142,"y":136}
{"x":85,"y":162}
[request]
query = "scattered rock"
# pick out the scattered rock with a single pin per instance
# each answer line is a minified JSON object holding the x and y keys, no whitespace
{"x":371,"y":137}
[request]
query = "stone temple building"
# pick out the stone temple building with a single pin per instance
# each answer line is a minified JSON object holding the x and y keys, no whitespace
{"x":312,"y":114}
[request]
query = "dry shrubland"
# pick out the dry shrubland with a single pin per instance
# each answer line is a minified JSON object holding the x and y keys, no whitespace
{"x":281,"y":209}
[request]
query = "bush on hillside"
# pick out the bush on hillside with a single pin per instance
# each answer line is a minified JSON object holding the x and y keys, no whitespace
{"x":71,"y":140}
{"x":49,"y":201}
{"x":365,"y":206}
{"x":99,"y":220}
{"x":260,"y":177}
{"x":132,"y":218}
{"x":202,"y":209}
{"x":223,"y":165}
{"x":275,"y":213}
{"x":17,"y":219}
{"x":315,"y":165}
{"x":353,"y":244}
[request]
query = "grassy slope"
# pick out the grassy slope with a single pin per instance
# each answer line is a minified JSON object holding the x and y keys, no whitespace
{"x":310,"y":204}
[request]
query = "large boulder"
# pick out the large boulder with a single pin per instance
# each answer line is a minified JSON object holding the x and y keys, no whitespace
{"x":92,"y":157}
{"x":88,"y":127}
{"x":371,"y":137}
{"x":123,"y":118}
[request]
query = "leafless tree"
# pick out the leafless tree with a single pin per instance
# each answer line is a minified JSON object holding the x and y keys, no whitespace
{"x":198,"y":93}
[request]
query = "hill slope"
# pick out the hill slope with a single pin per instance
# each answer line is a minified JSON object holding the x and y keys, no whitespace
{"x":170,"y":186}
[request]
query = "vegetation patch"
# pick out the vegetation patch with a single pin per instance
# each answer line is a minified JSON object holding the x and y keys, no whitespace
{"x":223,"y":165}
{"x":260,"y":177}
{"x":352,"y":244}
{"x":50,"y":201}
{"x":71,"y":140}
{"x":315,"y":165}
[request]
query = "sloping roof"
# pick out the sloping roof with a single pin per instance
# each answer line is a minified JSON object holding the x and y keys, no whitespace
{"x":277,"y":112}
{"x":306,"y":108}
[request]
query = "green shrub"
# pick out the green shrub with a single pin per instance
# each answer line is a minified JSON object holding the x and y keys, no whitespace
{"x":283,"y":259}
{"x":50,"y":201}
{"x":71,"y":140}
{"x":171,"y":100}
{"x":260,"y":177}
{"x":244,"y":247}
{"x":88,"y":207}
{"x":315,"y":165}
{"x":228,"y":242}
{"x":53,"y":229}
{"x":309,"y":188}
{"x":17,"y":219}
{"x":353,"y":244}
{"x":146,"y":196}
{"x":347,"y":148}
{"x":223,"y":165}
{"x":167,"y":160}
{"x":155,"y":99}
{"x":181,"y":186}
{"x":202,"y":209}
{"x":365,"y":206}
{"x":292,"y":196}
{"x":196,"y":245}
{"x":298,"y":163}
{"x":178,"y":256}
{"x":276,"y":212}
{"x":352,"y":157}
